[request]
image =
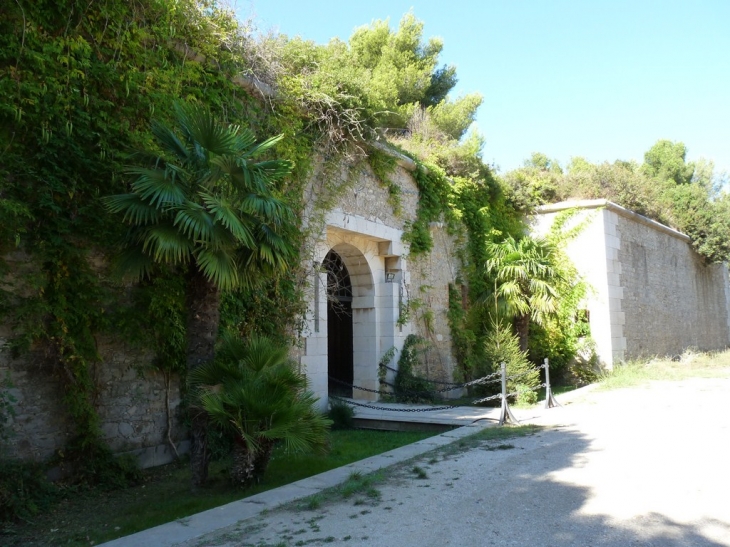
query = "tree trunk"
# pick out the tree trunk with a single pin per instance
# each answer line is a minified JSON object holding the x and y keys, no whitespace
{"x":243,"y":465}
{"x":199,"y":455}
{"x":522,"y":329}
{"x":202,"y":331}
{"x":248,"y":467}
{"x":263,"y":456}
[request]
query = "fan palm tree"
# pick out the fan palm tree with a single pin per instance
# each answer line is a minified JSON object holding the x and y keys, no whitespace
{"x":525,"y":282}
{"x":206,"y":205}
{"x":252,"y":391}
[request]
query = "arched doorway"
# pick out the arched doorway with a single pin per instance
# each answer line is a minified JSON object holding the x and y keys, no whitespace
{"x":339,"y":326}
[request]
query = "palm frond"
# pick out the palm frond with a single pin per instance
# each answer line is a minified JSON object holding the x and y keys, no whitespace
{"x":202,"y":128}
{"x":253,"y":151}
{"x":228,"y":164}
{"x":272,"y":170}
{"x":245,"y":139}
{"x":165,"y":243}
{"x":135,"y":263}
{"x":136,"y":210}
{"x":219,"y":266}
{"x":267,"y":208}
{"x":170,"y":141}
{"x":231,"y":348}
{"x":160,"y":187}
{"x":194,"y":222}
{"x":229,"y":217}
{"x":263,"y":353}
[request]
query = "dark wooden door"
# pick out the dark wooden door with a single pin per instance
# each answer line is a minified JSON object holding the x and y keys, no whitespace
{"x":339,"y":348}
{"x":339,"y":326}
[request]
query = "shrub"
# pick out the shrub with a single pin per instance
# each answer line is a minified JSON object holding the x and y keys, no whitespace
{"x":410,"y":388}
{"x":341,"y":414}
{"x":526,"y":396}
{"x":503,"y":346}
{"x":24,"y":490}
{"x":253,"y":391}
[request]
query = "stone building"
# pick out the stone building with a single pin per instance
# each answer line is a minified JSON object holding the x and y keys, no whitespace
{"x":652,"y":294}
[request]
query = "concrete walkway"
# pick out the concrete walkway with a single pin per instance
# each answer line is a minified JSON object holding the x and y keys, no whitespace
{"x":421,"y":415}
{"x":645,"y":466}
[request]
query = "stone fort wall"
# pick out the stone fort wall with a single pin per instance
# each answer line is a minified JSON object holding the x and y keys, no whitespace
{"x":651,"y":293}
{"x":132,"y":405}
{"x":671,"y":299}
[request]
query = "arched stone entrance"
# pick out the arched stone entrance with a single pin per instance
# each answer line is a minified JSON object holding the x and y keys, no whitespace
{"x":369,"y":256}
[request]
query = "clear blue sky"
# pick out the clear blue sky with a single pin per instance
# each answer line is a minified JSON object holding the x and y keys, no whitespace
{"x":602,"y":79}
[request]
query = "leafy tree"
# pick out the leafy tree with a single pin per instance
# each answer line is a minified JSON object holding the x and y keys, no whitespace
{"x":534,"y":184}
{"x":206,"y":205}
{"x":455,"y":117}
{"x":666,"y":161}
{"x":253,"y":391}
{"x":377,"y":80}
{"x":443,"y":80}
{"x":566,"y":333}
{"x":704,"y":219}
{"x":525,"y":282}
{"x":401,"y":65}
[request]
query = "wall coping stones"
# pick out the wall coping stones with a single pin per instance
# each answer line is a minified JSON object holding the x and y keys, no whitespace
{"x":611,"y":206}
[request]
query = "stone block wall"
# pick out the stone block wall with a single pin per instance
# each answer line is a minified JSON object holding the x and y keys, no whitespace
{"x":363,"y":228}
{"x":671,"y":299}
{"x":430,"y":279}
{"x":651,"y":293}
{"x":132,"y":406}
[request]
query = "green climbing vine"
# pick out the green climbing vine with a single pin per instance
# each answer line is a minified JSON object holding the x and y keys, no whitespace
{"x":434,"y":191}
{"x":79,"y":84}
{"x":383,"y":166}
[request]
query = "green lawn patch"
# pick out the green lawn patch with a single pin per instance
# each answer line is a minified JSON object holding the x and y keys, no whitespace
{"x":93,"y":517}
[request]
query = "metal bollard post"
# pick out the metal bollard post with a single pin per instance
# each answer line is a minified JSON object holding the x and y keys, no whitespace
{"x":505,"y":415}
{"x":550,"y":401}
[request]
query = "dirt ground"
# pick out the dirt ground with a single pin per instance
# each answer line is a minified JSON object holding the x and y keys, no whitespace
{"x":640,"y":466}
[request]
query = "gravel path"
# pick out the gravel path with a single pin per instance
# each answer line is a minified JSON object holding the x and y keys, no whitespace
{"x":641,"y":466}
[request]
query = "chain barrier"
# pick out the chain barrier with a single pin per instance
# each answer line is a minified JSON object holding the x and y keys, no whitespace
{"x":505,"y":414}
{"x":479,"y":381}
{"x":490,"y":378}
{"x":381,"y":365}
{"x":374,"y":407}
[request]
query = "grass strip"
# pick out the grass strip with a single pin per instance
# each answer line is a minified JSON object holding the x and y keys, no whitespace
{"x":92,"y":517}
